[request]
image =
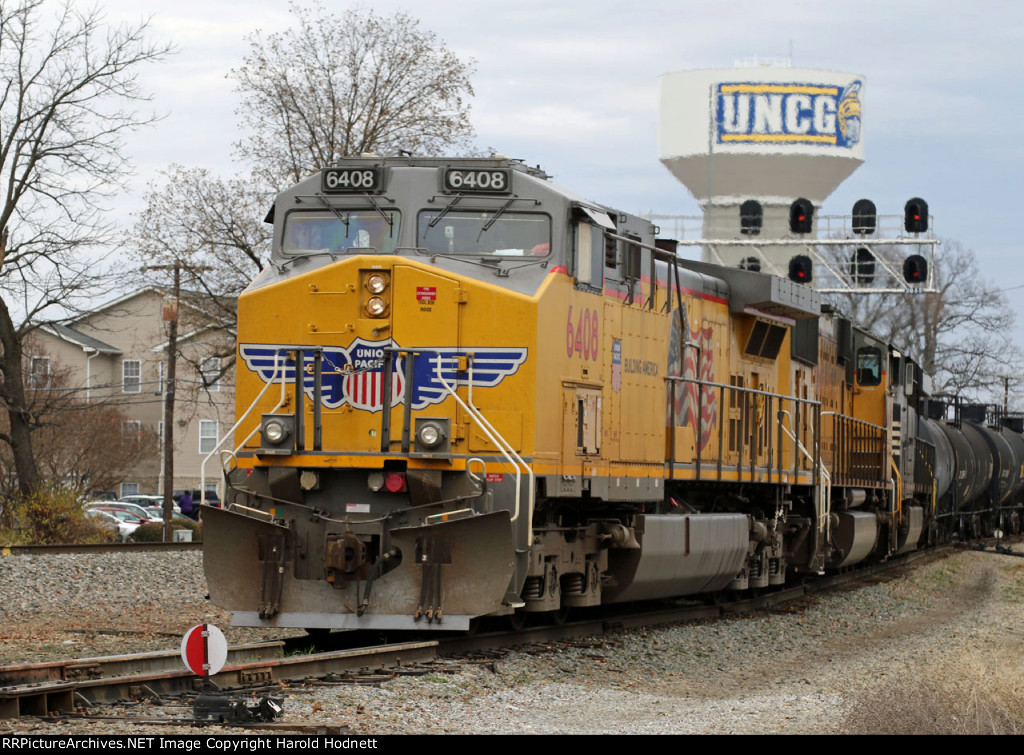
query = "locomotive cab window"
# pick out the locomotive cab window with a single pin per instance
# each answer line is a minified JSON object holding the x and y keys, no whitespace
{"x":869,"y":366}
{"x":340,"y":231}
{"x":490,"y":233}
{"x":590,"y":255}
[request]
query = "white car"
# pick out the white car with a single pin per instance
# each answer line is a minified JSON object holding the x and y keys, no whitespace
{"x":108,"y":521}
{"x":132,"y":508}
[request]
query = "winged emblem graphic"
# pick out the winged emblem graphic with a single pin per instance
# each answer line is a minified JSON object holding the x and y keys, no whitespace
{"x":354,"y":376}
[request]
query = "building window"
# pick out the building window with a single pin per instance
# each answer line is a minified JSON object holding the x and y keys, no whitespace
{"x":131,"y":376}
{"x":39,"y":376}
{"x":207,"y":435}
{"x":210,"y":370}
{"x":129,"y":488}
{"x":160,"y":436}
{"x":131,"y":430}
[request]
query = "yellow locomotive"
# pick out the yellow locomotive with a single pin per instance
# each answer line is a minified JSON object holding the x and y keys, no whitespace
{"x":463,"y":391}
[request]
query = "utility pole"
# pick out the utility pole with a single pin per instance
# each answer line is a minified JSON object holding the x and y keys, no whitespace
{"x":170,"y":315}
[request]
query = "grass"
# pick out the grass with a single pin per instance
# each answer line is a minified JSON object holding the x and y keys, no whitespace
{"x":944,"y":575}
{"x":1014,"y":589}
{"x":979,"y":698}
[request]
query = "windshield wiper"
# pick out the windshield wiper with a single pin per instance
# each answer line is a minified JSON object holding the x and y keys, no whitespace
{"x":444,"y":212}
{"x":497,"y":214}
{"x":388,"y":218}
{"x":336,"y":211}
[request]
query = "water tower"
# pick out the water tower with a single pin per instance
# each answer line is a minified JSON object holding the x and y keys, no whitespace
{"x":769,"y":133}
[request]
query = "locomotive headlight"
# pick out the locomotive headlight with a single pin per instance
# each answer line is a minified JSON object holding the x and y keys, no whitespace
{"x":277,"y":431}
{"x":376,"y":283}
{"x":274,"y":431}
{"x":429,"y":435}
{"x":375,"y":306}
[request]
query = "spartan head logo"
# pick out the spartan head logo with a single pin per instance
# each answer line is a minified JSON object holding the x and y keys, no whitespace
{"x":849,"y":115}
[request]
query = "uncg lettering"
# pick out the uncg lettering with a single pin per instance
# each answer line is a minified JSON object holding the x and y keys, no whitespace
{"x":807,"y":113}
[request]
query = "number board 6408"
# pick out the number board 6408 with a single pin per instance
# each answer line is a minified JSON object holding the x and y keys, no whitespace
{"x":474,"y":180}
{"x":340,"y":180}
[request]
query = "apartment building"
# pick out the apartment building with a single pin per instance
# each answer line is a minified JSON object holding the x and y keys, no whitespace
{"x":117,"y":355}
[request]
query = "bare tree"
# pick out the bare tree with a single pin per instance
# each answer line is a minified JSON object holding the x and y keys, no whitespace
{"x":213,"y":230}
{"x":67,"y":88}
{"x":961,"y":335}
{"x":64,"y":440}
{"x":330,"y":86}
{"x":340,"y":85}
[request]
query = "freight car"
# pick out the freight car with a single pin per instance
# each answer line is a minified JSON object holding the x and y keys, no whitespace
{"x":463,"y":390}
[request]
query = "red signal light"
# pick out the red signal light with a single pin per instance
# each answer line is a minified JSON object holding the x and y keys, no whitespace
{"x":915,"y":216}
{"x":800,"y":269}
{"x":800,"y":214}
{"x":915,"y":269}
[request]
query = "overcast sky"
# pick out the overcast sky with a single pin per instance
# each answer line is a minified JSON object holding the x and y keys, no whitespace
{"x":573,"y":86}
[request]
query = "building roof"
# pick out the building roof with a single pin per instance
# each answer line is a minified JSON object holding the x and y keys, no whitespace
{"x":87,"y":343}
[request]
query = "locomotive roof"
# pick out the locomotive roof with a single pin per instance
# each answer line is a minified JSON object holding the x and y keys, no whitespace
{"x":494,"y":161}
{"x":769,"y":294}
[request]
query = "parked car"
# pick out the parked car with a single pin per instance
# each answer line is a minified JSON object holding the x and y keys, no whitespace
{"x":142,"y":500}
{"x":122,"y":529}
{"x":212,"y":499}
{"x":156,"y":513}
{"x":132,"y":508}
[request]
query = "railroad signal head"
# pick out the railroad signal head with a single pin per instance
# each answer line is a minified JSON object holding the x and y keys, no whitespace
{"x":751,"y":217}
{"x":801,"y":269}
{"x":862,"y":267}
{"x":752,"y":264}
{"x":864,"y":217}
{"x":915,"y":269}
{"x":801,"y":216}
{"x":915,"y":216}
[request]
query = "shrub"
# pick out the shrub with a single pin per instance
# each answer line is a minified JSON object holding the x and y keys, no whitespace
{"x":154,"y":531}
{"x":53,"y":516}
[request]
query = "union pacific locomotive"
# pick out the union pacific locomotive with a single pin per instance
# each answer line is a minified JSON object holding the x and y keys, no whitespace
{"x":465,"y":391}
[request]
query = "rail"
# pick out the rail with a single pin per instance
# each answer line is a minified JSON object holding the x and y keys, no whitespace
{"x":513,"y":459}
{"x":495,"y":437}
{"x":823,"y":504}
{"x":751,"y":443}
{"x":857,"y":450}
{"x":278,"y":368}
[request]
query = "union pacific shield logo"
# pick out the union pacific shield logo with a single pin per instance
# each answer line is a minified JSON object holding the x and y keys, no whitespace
{"x":354,"y":376}
{"x":788,"y":113}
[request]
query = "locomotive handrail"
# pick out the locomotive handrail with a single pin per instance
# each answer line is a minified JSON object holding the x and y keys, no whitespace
{"x":852,"y":437}
{"x":824,"y":503}
{"x":495,"y":437}
{"x":504,"y":447}
{"x":278,"y":367}
{"x":812,"y":404}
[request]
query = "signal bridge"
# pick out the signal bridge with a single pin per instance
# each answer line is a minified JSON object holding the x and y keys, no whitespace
{"x":860,"y":253}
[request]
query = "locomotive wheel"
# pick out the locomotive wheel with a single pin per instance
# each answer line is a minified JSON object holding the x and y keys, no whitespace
{"x":559,"y":617}
{"x":517,"y":620}
{"x":717,"y":598}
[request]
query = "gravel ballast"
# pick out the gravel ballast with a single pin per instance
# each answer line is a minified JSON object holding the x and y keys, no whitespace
{"x":849,"y":660}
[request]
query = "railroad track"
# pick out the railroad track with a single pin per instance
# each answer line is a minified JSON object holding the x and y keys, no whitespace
{"x":30,"y":550}
{"x":45,"y":689}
